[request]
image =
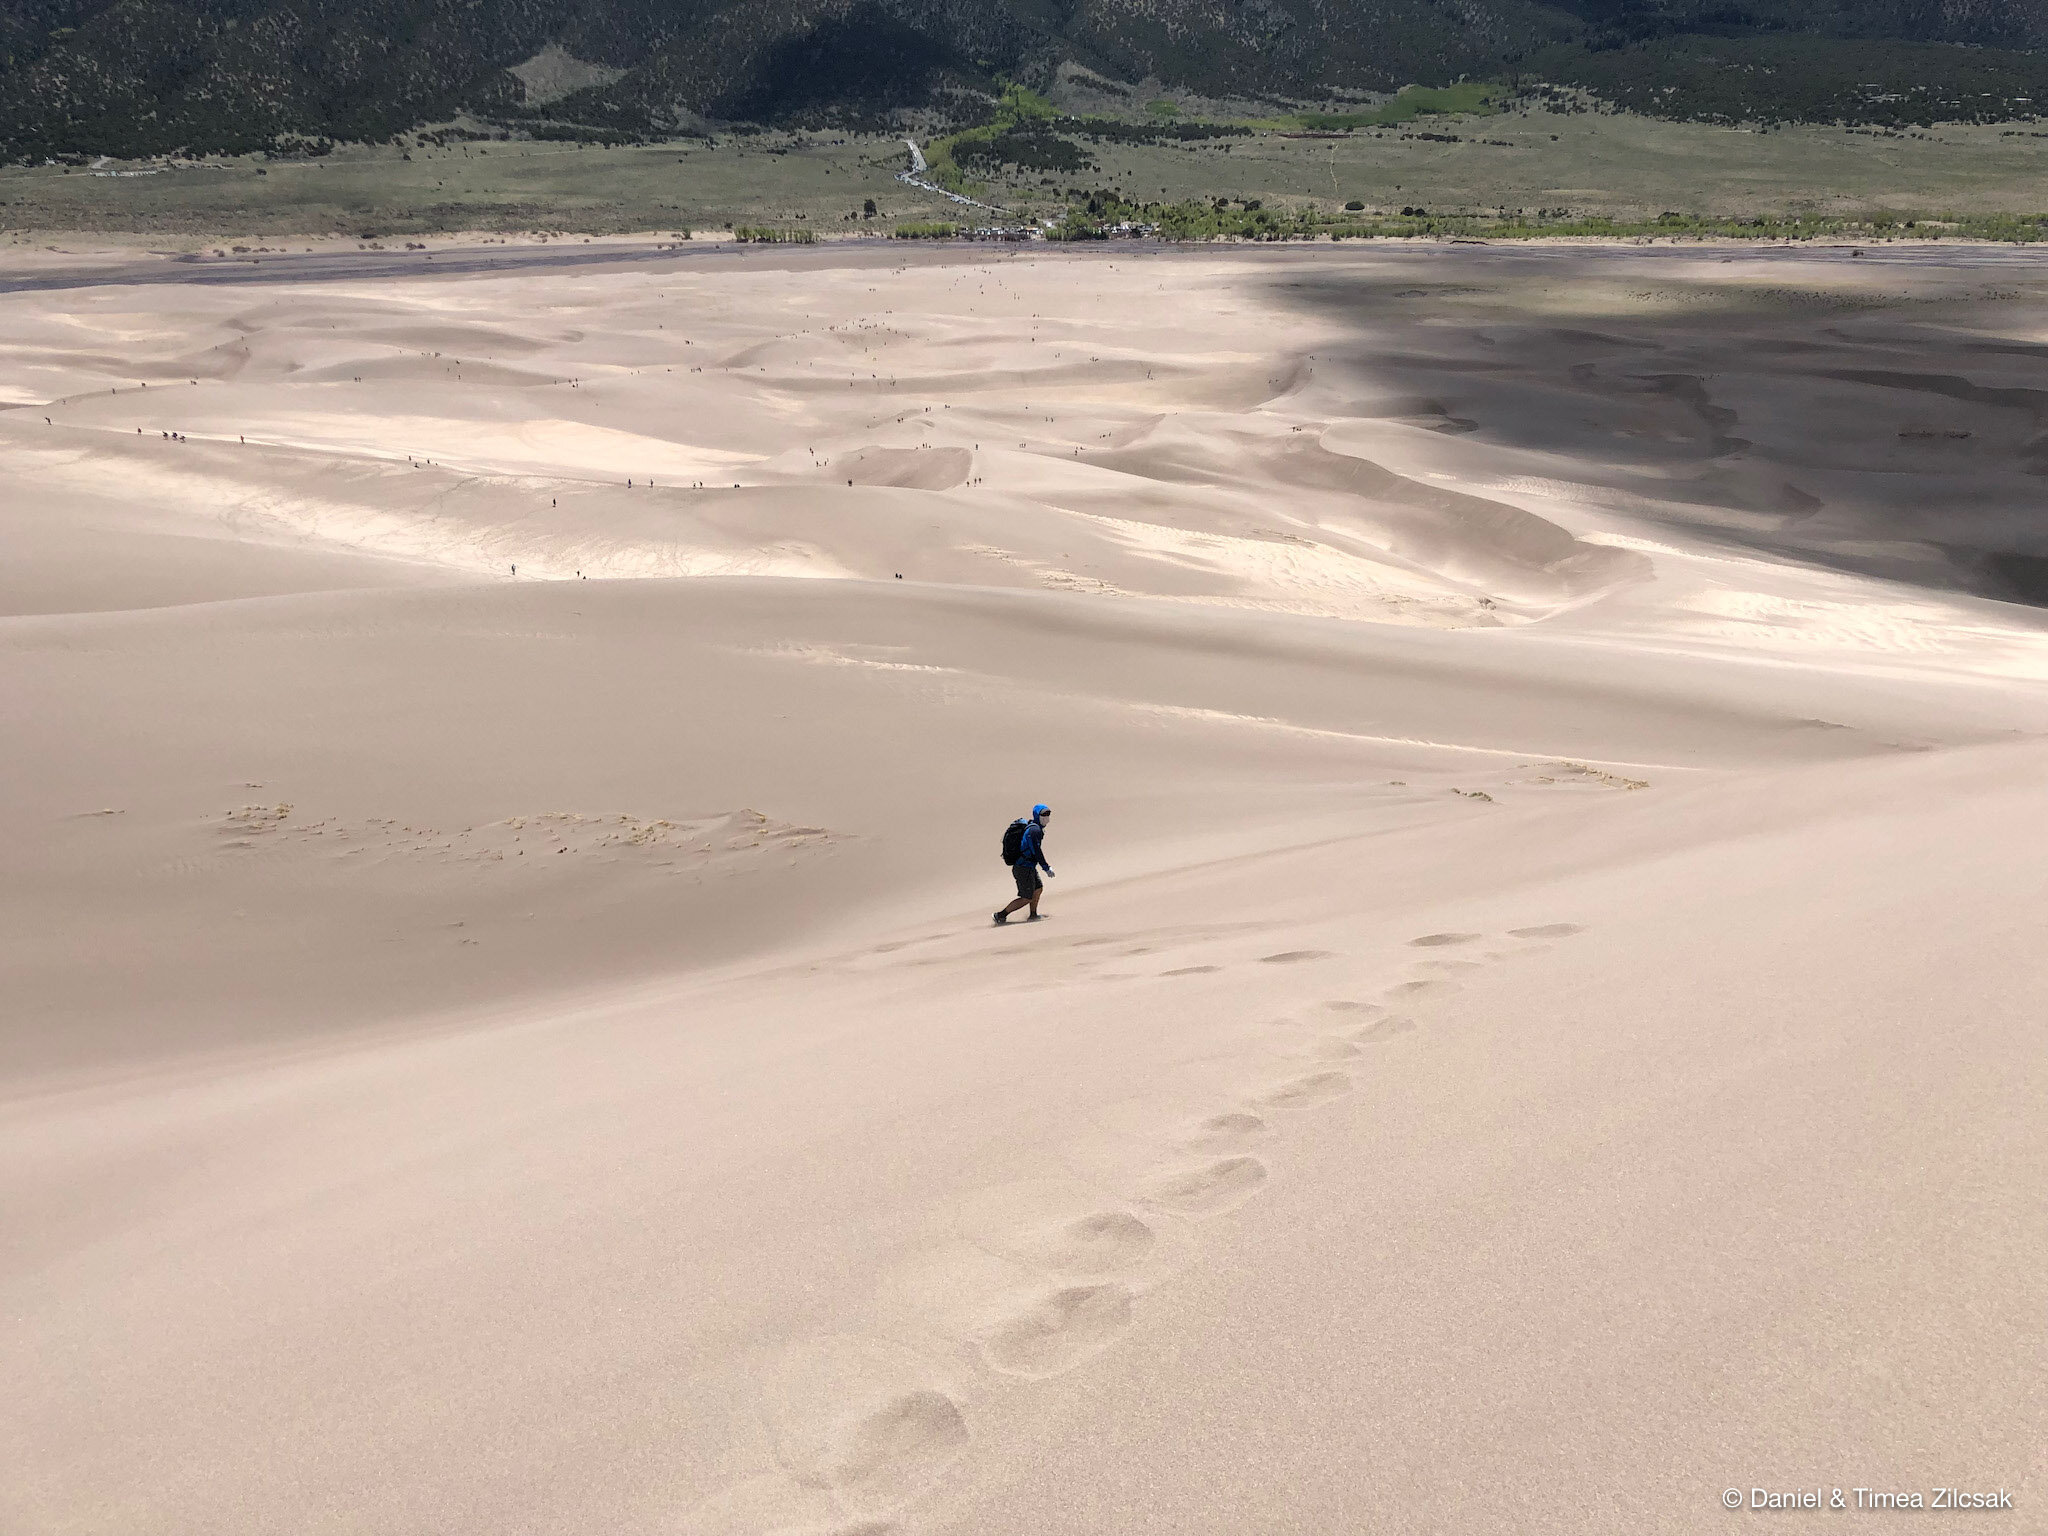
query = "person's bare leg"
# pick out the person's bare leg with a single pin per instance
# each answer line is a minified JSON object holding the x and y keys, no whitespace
{"x":1037,"y":892}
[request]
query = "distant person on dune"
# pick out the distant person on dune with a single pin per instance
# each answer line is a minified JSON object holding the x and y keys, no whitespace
{"x":1024,"y":852}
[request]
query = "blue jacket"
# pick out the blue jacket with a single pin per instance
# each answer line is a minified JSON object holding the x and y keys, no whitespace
{"x":1033,"y":851}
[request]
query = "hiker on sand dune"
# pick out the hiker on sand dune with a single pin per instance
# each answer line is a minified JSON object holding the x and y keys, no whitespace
{"x":1024,"y":852}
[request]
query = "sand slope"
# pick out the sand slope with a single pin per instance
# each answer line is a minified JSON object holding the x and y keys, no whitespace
{"x":1534,"y":1025}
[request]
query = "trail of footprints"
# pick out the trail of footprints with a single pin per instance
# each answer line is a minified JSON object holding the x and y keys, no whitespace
{"x":1043,"y":1277}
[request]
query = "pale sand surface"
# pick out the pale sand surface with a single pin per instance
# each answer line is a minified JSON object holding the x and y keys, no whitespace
{"x":1538,"y":1022}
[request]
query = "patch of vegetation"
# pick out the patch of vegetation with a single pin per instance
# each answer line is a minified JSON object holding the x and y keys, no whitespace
{"x":577,"y":133}
{"x":2016,"y":229}
{"x":825,"y":183}
{"x":1103,"y":215}
{"x":1111,"y":131}
{"x":1031,"y":147}
{"x":932,"y":231}
{"x":1021,"y":104}
{"x":1027,"y":133}
{"x":1467,"y":98}
{"x":1163,"y":108}
{"x":1018,"y":134}
{"x":764,"y":234}
{"x":1100,"y":215}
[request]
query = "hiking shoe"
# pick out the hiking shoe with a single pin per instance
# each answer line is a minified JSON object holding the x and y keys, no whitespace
{"x":1002,"y":917}
{"x":1035,"y":918}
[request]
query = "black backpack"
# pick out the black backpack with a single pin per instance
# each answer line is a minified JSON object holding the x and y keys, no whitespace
{"x":1013,"y":841}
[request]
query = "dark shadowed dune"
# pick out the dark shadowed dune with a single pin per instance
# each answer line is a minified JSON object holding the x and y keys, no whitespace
{"x":1907,"y":440}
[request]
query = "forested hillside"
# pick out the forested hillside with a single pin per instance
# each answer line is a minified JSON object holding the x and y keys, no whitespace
{"x":128,"y":77}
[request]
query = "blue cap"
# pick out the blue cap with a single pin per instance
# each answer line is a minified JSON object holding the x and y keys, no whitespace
{"x":1040,"y":810}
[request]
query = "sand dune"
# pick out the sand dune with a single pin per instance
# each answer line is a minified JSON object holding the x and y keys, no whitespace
{"x":1534,"y":1026}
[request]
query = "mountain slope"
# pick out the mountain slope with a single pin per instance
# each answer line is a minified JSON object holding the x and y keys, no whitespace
{"x":81,"y":77}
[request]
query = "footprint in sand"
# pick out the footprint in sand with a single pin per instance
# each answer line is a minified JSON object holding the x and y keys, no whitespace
{"x":892,"y":1449}
{"x":1221,"y":1133}
{"x":1437,"y":940}
{"x":1034,"y":1284}
{"x":1414,"y":989}
{"x":1346,"y":1005}
{"x":1100,"y":1243}
{"x":1192,"y":970}
{"x":1208,"y":1189}
{"x":1057,"y":1332}
{"x":1294,"y":1038}
{"x":1306,"y":1092}
{"x":1057,"y":1227}
{"x":1383,"y":1029}
{"x":857,"y":1428}
{"x":1548,"y":931}
{"x":1330,"y":1048}
{"x":1294,"y":956}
